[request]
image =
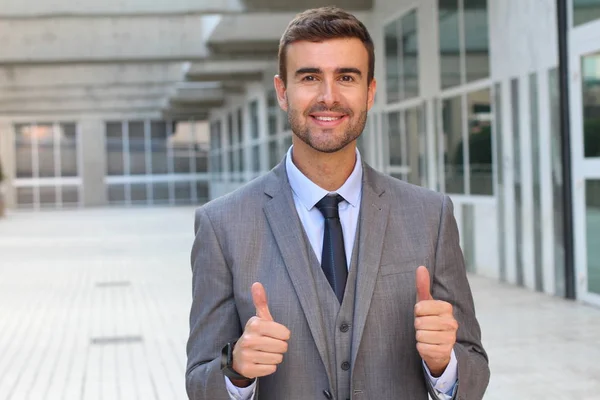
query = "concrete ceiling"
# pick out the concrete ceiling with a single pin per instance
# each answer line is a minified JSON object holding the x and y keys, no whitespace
{"x":177,"y":57}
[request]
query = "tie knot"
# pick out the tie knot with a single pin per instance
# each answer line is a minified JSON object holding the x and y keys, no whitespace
{"x":328,"y":205}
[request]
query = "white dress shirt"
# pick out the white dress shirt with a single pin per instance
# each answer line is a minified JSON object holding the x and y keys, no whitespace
{"x":306,"y":195}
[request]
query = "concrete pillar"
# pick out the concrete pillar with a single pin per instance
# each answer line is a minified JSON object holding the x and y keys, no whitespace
{"x":93,"y":162}
{"x":7,"y":158}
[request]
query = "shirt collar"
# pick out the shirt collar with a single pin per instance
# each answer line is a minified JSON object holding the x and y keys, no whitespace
{"x":310,"y":193}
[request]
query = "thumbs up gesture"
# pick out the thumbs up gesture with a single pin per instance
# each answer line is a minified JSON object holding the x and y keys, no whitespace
{"x":263,"y":343}
{"x":435,"y":326}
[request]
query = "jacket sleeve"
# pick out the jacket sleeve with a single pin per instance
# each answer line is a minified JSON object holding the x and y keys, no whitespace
{"x":450,"y":284}
{"x":214,"y":320}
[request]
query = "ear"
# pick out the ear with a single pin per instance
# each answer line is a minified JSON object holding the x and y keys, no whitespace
{"x":281,"y":92}
{"x":371,"y":93}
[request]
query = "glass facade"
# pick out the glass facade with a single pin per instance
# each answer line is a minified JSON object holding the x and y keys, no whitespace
{"x":154,"y":162}
{"x":454,"y":172}
{"x":480,"y":143}
{"x":537,"y":181}
{"x":591,"y":105}
{"x":464,"y":41}
{"x":47,"y":165}
{"x":557,"y":183}
{"x":592,"y":203}
{"x":402,"y":58}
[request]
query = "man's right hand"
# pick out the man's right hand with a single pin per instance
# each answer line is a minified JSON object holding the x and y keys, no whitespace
{"x":263,"y":343}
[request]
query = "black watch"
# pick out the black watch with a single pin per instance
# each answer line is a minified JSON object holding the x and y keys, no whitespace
{"x":227,"y":363}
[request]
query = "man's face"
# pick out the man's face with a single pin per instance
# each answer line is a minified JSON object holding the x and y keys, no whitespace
{"x":326,"y":94}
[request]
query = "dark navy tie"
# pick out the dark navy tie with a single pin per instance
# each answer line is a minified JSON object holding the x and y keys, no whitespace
{"x":333,"y":260}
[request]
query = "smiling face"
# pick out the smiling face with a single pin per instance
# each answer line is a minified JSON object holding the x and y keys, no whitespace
{"x":326,"y":95}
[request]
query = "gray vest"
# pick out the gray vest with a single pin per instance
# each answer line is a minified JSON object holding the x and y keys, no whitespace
{"x":337,"y":322}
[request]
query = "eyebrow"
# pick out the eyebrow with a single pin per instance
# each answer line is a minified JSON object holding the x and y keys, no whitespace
{"x":345,"y":70}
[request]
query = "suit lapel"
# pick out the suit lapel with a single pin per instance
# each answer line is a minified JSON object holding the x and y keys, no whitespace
{"x":288,"y":232}
{"x":373,"y":222}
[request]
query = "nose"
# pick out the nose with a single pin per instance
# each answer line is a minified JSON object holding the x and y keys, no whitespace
{"x":329,"y":92}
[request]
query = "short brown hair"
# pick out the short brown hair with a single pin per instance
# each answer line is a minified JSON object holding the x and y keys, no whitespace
{"x":319,"y":24}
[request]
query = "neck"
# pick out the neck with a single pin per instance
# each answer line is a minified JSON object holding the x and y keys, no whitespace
{"x":327,"y":170}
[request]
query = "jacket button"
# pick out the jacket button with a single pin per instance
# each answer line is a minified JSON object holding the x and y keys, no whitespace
{"x":327,"y":394}
{"x":344,"y":327}
{"x":345,"y":365}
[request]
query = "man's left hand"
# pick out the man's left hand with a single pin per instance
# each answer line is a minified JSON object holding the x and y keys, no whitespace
{"x":435,"y":326}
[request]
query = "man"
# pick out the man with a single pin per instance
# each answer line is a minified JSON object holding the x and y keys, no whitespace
{"x":351,"y":260}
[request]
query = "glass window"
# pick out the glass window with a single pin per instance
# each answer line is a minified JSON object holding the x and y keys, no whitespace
{"x":201,"y":157}
{"x":114,"y":149}
{"x":254,"y":119}
{"x":68,"y":150}
{"x":471,"y":49}
{"x":453,"y":145}
{"x":392,"y":62}
{"x":158,"y":146}
{"x":537,"y":188}
{"x":286,"y":121}
{"x":500,"y":164}
{"x":181,"y":143}
{"x":592,"y":202}
{"x":585,"y":11}
{"x":24,"y":154}
{"x":202,"y":191}
{"x":477,"y":42}
{"x":116,"y":194}
{"x":44,"y":133}
{"x":240,"y":126}
{"x":517,"y":177}
{"x":26,"y":196}
{"x":416,"y":145}
{"x":256,"y":158}
{"x":448,"y":14}
{"x":160,"y":192}
{"x":480,"y":142}
{"x":230,"y":129}
{"x":70,"y":195}
{"x":287,"y":143}
{"x":395,"y":138}
{"x":557,"y":182}
{"x":401,"y":58}
{"x":591,"y":105}
{"x":183,"y":192}
{"x":272,"y":112}
{"x":139,"y":193}
{"x":273,"y":153}
{"x":410,"y":55}
{"x":231,"y":160}
{"x":137,"y":148}
{"x":47,"y":196}
{"x":241,"y":160}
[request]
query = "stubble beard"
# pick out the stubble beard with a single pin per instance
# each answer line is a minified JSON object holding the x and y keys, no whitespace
{"x":334,"y":143}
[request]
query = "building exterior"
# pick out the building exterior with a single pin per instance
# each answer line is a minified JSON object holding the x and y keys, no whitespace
{"x":468,"y":103}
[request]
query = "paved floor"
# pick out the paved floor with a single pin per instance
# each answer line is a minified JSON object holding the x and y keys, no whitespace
{"x":94,"y":305}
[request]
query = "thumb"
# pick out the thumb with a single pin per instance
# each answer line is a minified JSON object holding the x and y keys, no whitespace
{"x":423,"y":284}
{"x":259,"y":298}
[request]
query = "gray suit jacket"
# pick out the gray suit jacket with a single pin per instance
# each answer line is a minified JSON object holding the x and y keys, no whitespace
{"x":254,"y":234}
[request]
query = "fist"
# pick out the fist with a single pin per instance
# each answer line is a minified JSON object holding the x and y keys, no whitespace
{"x":263,"y":343}
{"x":435,"y":326}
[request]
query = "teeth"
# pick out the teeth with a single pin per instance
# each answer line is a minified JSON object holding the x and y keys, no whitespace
{"x":328,"y":118}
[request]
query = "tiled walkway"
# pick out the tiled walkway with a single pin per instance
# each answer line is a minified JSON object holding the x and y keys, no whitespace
{"x":94,"y":305}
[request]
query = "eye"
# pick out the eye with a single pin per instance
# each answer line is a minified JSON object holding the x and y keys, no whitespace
{"x":347,"y":78}
{"x":309,"y":78}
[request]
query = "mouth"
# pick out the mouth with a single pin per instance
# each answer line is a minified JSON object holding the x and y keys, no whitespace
{"x":328,"y":121}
